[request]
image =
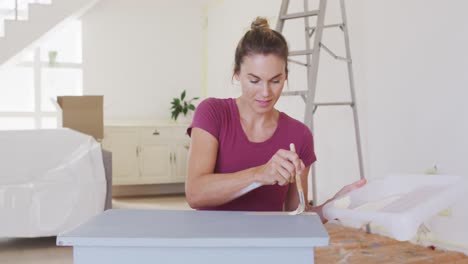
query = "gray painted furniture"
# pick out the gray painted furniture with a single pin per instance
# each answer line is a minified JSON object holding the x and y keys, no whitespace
{"x":161,"y":236}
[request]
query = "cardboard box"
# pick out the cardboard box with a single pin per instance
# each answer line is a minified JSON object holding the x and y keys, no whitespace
{"x":83,"y":113}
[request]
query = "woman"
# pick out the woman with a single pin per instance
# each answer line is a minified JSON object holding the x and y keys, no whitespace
{"x":239,"y":144}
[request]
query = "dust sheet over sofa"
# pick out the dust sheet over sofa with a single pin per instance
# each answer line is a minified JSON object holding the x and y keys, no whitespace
{"x":50,"y":181}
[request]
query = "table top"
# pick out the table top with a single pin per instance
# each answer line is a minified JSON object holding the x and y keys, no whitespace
{"x":167,"y":228}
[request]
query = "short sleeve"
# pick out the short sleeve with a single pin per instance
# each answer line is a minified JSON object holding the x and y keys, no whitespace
{"x":307,"y":152}
{"x":206,"y":117}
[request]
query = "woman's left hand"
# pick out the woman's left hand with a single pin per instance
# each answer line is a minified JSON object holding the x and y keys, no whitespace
{"x":346,"y":189}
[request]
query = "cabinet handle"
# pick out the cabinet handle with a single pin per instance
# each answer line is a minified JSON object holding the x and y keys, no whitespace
{"x":175,"y":158}
{"x":186,"y":146}
{"x":170,"y":157}
{"x":156,"y":132}
{"x":137,"y":151}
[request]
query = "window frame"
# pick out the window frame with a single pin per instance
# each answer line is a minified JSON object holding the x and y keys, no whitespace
{"x":37,"y":65}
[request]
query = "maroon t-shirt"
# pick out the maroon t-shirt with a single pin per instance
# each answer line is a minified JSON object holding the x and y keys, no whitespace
{"x":220,"y":118}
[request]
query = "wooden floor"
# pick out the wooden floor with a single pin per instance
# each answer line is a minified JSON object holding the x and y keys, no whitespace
{"x":348,"y":245}
{"x":34,"y":250}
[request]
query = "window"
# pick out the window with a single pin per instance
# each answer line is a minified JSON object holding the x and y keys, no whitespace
{"x":13,"y":123}
{"x":17,"y":89}
{"x":52,"y":68}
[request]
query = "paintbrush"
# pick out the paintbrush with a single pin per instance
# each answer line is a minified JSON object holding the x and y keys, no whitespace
{"x":301,"y":207}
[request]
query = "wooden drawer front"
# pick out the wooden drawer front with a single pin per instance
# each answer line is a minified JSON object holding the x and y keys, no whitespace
{"x":158,"y":133}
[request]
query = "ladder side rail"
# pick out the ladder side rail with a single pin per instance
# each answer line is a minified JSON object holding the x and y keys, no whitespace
{"x":282,"y":12}
{"x":353,"y":95}
{"x":312,"y":74}
{"x":309,"y":87}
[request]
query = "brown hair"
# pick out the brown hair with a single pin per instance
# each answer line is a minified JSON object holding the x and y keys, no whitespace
{"x":261,"y":39}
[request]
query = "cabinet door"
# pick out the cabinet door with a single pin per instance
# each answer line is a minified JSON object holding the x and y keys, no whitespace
{"x":180,"y":161}
{"x":123,"y":143}
{"x":155,"y":163}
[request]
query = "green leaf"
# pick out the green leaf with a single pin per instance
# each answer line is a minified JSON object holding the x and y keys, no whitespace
{"x":180,"y":105}
{"x":182,"y":96}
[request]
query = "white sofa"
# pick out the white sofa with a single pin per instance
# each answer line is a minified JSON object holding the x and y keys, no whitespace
{"x":50,"y":181}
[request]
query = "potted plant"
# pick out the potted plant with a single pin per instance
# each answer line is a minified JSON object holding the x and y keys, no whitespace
{"x":182,"y":106}
{"x":52,"y":57}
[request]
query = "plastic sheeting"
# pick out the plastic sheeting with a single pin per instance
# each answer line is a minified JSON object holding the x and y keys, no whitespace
{"x":398,"y":205}
{"x":50,"y":181}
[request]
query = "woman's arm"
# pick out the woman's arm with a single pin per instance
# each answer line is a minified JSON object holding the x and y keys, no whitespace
{"x":204,"y":188}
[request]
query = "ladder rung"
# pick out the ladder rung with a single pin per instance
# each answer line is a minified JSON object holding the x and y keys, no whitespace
{"x":304,"y":93}
{"x":293,"y":93}
{"x":311,"y":30}
{"x":334,"y":103}
{"x":300,"y":14}
{"x":301,"y":52}
{"x":328,"y":26}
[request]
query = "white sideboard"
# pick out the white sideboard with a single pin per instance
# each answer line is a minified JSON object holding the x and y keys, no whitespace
{"x":147,"y":153}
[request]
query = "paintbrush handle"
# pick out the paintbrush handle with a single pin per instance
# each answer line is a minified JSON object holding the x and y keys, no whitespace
{"x":297,"y":176}
{"x":299,"y":183}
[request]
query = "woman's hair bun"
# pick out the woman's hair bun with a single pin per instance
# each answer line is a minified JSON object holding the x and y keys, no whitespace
{"x":260,"y":23}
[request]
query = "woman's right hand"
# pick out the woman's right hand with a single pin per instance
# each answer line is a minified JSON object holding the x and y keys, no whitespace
{"x":280,"y":169}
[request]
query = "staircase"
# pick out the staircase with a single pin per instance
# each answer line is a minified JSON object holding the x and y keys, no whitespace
{"x":27,"y":21}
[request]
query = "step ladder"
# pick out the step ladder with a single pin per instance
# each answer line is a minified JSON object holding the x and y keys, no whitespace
{"x":312,"y":63}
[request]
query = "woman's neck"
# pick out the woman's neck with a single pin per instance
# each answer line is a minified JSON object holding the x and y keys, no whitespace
{"x":250,"y":118}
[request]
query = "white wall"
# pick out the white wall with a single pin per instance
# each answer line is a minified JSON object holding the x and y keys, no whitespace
{"x":417,"y":85}
{"x":417,"y":62}
{"x":141,"y":54}
{"x":228,"y":20}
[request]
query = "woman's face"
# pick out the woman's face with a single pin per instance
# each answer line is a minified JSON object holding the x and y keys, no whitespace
{"x":262,"y":79}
